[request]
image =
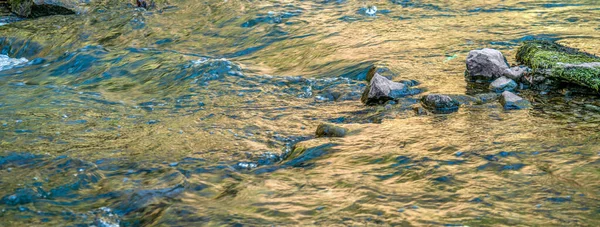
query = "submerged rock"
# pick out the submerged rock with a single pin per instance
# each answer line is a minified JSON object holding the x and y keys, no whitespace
{"x":380,"y":90}
{"x":440,"y":103}
{"x":554,"y":61}
{"x":463,"y":99}
{"x":510,"y":101}
{"x":327,"y":130}
{"x":486,"y":64}
{"x":503,"y":84}
{"x":486,"y":97}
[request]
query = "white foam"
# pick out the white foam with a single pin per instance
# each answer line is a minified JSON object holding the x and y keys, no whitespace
{"x":9,"y":63}
{"x":371,"y":11}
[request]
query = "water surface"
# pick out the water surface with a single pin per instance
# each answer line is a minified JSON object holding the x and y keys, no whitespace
{"x":182,"y":116}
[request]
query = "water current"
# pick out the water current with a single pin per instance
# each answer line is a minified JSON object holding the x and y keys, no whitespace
{"x":183,"y":115}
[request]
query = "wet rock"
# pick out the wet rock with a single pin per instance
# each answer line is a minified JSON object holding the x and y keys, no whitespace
{"x":486,"y":64}
{"x":40,"y":8}
{"x":487,"y":97}
{"x":440,"y":103}
{"x":517,"y":72}
{"x":555,"y":61}
{"x":463,"y":99}
{"x":328,"y":130}
{"x":510,"y":101}
{"x":503,"y":84}
{"x":381,"y":90}
{"x":592,"y":107}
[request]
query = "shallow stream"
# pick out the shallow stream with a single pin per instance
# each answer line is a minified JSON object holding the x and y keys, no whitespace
{"x":183,"y":115}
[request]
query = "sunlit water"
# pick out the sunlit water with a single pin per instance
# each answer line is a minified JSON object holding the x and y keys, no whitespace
{"x":181,"y":116}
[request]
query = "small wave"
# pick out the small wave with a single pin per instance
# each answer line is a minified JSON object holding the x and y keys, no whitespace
{"x":9,"y":63}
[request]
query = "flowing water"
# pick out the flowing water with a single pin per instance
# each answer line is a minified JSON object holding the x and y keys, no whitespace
{"x":183,"y":116}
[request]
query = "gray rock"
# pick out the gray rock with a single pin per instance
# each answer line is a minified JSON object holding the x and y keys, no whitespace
{"x":592,"y":107}
{"x":381,"y":90}
{"x":487,"y":64}
{"x":328,"y":130}
{"x":510,"y":101}
{"x":503,"y":84}
{"x":486,"y":97}
{"x":517,"y":72}
{"x":463,"y":99}
{"x":437,"y":103}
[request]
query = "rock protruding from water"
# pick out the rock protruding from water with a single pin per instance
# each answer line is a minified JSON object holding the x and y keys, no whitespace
{"x":517,"y":72}
{"x":328,"y":130}
{"x":560,"y":63}
{"x":40,"y":8}
{"x":486,"y":64}
{"x":441,"y":104}
{"x":381,"y":89}
{"x":503,"y":84}
{"x":510,"y":101}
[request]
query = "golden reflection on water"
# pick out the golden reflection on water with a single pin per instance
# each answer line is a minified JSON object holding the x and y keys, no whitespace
{"x":356,"y":182}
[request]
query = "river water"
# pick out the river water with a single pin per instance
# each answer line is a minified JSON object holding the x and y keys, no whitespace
{"x":182,"y":116}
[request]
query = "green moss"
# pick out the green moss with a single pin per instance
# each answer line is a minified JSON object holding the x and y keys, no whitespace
{"x":549,"y":58}
{"x":588,"y":77}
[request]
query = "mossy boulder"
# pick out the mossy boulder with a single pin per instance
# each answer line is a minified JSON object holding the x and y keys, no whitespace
{"x":328,"y":130}
{"x":561,"y":63}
